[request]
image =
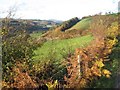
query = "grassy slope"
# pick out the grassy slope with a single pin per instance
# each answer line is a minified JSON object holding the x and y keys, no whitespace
{"x":36,"y":34}
{"x":58,"y":49}
{"x":83,"y":24}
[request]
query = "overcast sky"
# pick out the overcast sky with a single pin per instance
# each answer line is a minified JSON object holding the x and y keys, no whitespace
{"x":57,"y":9}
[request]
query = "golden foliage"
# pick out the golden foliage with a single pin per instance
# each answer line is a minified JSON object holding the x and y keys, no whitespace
{"x":99,"y":63}
{"x":52,"y":85}
{"x":94,"y":56}
{"x":106,"y":73}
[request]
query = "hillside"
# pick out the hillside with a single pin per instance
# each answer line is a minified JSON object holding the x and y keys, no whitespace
{"x":40,"y":25}
{"x":73,"y":30}
{"x":86,"y":26}
{"x":82,"y":24}
{"x":33,"y":25}
{"x":74,"y":54}
{"x":80,"y":28}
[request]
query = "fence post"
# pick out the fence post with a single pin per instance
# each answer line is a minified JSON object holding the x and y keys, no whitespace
{"x":79,"y":66}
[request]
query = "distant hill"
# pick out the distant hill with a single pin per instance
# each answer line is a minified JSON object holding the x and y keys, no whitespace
{"x":32,"y":25}
{"x":40,"y":25}
{"x":57,"y":21}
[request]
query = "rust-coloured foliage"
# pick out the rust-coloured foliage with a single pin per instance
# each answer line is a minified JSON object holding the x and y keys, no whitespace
{"x":91,"y":65}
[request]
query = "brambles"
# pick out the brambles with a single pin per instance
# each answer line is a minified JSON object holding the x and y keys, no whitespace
{"x":94,"y":57}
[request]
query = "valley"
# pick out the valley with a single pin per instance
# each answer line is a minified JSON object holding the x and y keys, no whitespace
{"x":46,"y":52}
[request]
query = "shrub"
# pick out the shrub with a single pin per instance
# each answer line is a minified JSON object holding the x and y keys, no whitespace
{"x":16,"y":47}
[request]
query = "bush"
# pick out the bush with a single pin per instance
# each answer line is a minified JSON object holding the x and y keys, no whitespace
{"x":16,"y":47}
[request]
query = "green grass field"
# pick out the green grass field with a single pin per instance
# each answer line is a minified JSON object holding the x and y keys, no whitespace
{"x":36,"y":34}
{"x":58,"y":49}
{"x":83,"y":24}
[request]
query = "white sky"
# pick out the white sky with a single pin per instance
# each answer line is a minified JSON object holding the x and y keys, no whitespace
{"x":57,"y":9}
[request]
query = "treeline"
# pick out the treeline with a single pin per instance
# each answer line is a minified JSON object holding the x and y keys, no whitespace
{"x":66,"y":25}
{"x":32,"y":28}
